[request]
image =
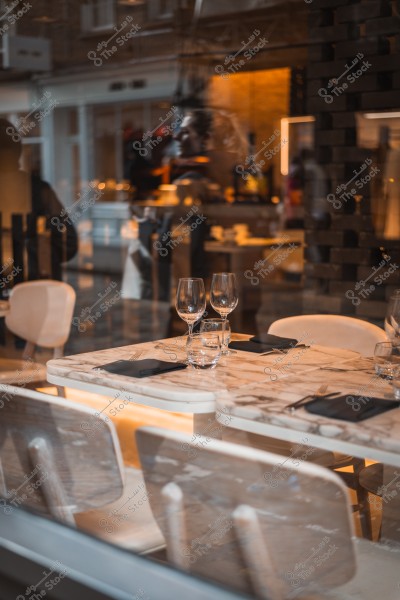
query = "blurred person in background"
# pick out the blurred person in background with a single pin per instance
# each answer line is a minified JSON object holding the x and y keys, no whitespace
{"x":26,"y":193}
{"x":209,"y":146}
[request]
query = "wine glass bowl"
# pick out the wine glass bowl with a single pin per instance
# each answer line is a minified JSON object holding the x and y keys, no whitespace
{"x":392,"y":319}
{"x":386,"y":359}
{"x":190,"y":300}
{"x":224,"y":296}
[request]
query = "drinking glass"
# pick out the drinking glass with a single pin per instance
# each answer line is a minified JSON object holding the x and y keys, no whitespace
{"x":224,"y":296}
{"x":386,"y":359}
{"x":219,"y":326}
{"x":392,"y":319}
{"x":190,"y":300}
{"x":203,"y":350}
{"x":396,"y":383}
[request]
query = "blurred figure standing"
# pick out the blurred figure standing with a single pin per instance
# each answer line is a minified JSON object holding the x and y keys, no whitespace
{"x":23,"y":193}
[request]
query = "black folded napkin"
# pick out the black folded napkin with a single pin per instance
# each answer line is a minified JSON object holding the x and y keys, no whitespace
{"x":274,"y":341}
{"x":141,"y":368}
{"x":350,"y":408}
{"x":264,"y":343}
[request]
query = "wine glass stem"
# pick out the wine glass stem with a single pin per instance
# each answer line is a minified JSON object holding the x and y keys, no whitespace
{"x":224,"y":344}
{"x":190,"y":327}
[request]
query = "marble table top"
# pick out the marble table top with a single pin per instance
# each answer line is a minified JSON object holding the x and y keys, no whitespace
{"x":260,"y":408}
{"x":188,"y":390}
{"x":253,"y":389}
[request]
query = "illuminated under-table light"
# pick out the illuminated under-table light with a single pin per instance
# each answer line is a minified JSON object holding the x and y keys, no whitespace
{"x":382,"y":115}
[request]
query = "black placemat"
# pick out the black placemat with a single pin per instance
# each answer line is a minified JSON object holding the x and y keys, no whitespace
{"x":141,"y":368}
{"x":250,"y":347}
{"x":271,"y":342}
{"x":274,"y":341}
{"x":350,"y":408}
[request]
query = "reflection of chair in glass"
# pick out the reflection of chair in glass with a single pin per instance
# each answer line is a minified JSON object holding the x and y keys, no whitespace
{"x":65,"y":461}
{"x":40,"y":313}
{"x":225,"y":519}
{"x":31,"y":545}
{"x":331,"y":330}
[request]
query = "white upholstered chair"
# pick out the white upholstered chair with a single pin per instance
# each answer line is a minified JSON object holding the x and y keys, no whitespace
{"x":40,"y":313}
{"x":65,"y":460}
{"x":223,"y":520}
{"x":332,"y":330}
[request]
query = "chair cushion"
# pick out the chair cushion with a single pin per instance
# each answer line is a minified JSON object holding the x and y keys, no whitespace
{"x":128,"y":522}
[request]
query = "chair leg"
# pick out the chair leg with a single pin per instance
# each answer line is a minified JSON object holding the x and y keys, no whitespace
{"x":352,"y":481}
{"x":29,"y":351}
{"x":58,"y":352}
{"x":362,"y":500}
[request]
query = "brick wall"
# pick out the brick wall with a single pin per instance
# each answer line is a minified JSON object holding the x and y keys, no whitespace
{"x":343,"y":249}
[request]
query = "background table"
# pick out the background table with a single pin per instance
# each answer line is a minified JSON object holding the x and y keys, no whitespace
{"x":242,"y":257}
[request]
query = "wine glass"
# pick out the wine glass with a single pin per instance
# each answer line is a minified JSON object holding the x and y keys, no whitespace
{"x":224,"y":296}
{"x":190,"y":300}
{"x":386,"y":359}
{"x":392,"y":319}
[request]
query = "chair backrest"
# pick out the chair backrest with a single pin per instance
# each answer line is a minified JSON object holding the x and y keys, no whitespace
{"x":332,"y":330}
{"x":41,"y":312}
{"x":247,"y":518}
{"x":55,"y":456}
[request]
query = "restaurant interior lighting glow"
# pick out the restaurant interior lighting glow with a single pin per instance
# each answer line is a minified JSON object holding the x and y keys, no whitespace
{"x":382,"y":115}
{"x":285,"y":122}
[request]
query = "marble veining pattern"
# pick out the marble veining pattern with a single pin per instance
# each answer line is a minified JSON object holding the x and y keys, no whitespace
{"x":258,"y":404}
{"x":247,"y":385}
{"x":235,"y":371}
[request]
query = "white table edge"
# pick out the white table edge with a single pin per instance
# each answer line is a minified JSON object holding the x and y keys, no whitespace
{"x":324,"y":443}
{"x":180,"y":406}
